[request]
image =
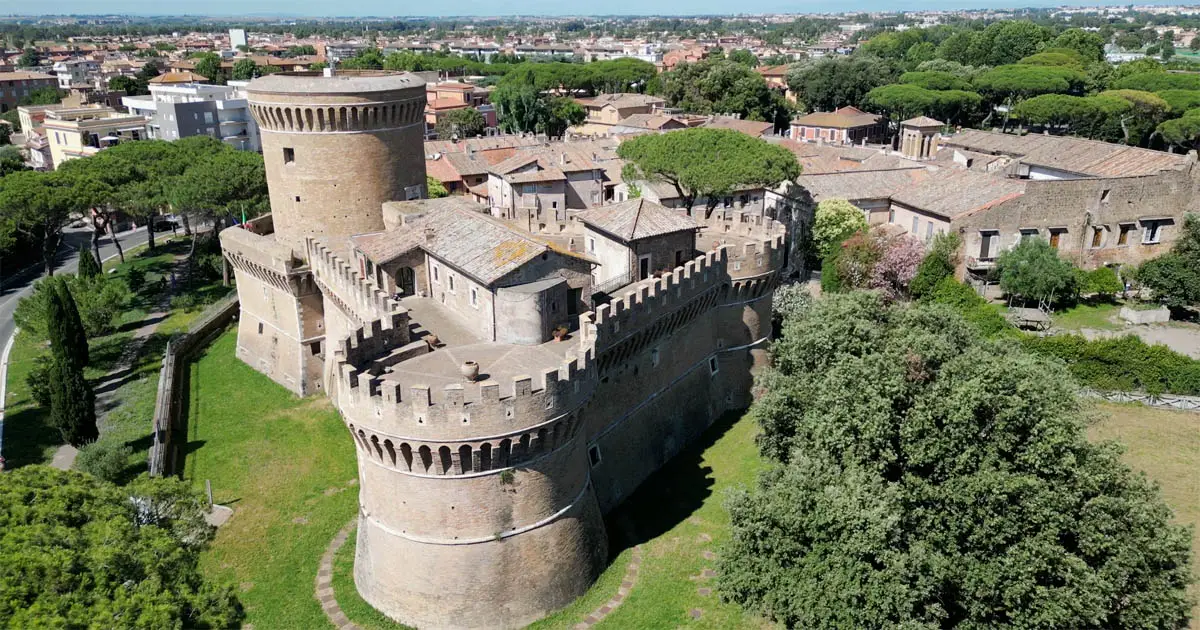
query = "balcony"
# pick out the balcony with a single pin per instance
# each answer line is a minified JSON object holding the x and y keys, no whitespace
{"x":974,"y":262}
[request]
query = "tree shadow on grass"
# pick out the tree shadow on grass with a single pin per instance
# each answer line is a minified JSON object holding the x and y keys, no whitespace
{"x":27,"y":436}
{"x":670,"y":495}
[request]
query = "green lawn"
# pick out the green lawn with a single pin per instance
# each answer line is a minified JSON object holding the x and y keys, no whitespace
{"x":125,"y":416}
{"x":286,"y":466}
{"x":1095,"y":316}
{"x":1166,"y":446}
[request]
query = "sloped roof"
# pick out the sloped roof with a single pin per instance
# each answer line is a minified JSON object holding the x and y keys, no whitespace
{"x":955,"y":192}
{"x":817,"y":159}
{"x":622,"y":101}
{"x":185,"y":76}
{"x":858,"y":185}
{"x":751,"y":128}
{"x":637,"y":219}
{"x":923,"y":121}
{"x":842,"y":118}
{"x":1090,"y":158}
{"x":452,"y":229}
{"x":772,"y":71}
{"x":649,"y":121}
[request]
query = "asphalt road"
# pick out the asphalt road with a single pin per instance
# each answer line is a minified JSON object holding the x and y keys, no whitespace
{"x":19,"y":285}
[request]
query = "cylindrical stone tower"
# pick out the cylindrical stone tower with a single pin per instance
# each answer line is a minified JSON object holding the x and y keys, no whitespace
{"x":336,"y":147}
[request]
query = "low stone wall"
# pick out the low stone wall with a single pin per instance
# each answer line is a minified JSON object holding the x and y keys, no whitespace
{"x":1159,"y":315}
{"x":168,"y":406}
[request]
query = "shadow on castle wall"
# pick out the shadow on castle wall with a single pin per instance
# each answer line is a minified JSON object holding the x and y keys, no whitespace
{"x":670,"y":495}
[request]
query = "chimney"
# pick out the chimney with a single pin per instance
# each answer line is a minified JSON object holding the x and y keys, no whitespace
{"x":563,"y":157}
{"x":428,"y":234}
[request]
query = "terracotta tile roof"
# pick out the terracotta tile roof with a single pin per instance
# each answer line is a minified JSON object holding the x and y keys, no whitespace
{"x":749,"y":127}
{"x":861,"y":185}
{"x":650,"y":121}
{"x":816,"y":159}
{"x":955,"y":192}
{"x":637,"y":219}
{"x":467,"y":163}
{"x":843,"y":118}
{"x":24,"y":76}
{"x":447,"y":103}
{"x":442,"y":170}
{"x":1090,"y":158}
{"x":622,"y":101}
{"x":481,"y":144}
{"x":772,"y":71}
{"x":452,"y":229}
{"x":179,"y":77}
{"x":923,"y":121}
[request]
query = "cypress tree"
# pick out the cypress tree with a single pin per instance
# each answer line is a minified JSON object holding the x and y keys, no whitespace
{"x":72,"y":403}
{"x":68,"y":340}
{"x":88,"y":266}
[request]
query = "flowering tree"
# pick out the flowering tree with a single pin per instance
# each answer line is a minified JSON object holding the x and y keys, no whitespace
{"x":897,"y":266}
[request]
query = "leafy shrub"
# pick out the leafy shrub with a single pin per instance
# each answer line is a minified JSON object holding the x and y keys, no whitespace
{"x":99,"y":301}
{"x":967,"y":302}
{"x":106,"y":460}
{"x":1033,"y":270}
{"x":1125,"y":364}
{"x":186,"y":301}
{"x":38,"y":381}
{"x":790,"y":299}
{"x":937,"y":264}
{"x":135,"y":279}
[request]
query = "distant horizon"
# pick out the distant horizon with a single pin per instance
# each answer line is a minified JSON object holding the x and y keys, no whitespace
{"x":477,"y":9}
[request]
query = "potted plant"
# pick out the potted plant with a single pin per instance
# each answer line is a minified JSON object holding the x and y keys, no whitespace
{"x":470,"y":370}
{"x":559,"y":332}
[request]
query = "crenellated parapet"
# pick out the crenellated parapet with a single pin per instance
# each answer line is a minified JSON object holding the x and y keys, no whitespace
{"x":360,"y":297}
{"x":756,"y":243}
{"x":262,"y":257}
{"x":651,"y":301}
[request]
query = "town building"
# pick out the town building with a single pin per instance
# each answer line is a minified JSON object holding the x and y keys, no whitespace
{"x":448,"y":96}
{"x":17,"y":86}
{"x":1097,"y":203}
{"x":76,"y":133}
{"x":845,"y":125}
{"x":180,"y":110}
{"x":75,"y":72}
{"x":498,"y":403}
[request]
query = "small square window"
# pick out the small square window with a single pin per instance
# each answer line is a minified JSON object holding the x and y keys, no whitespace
{"x":315,"y":347}
{"x":712,"y":365}
{"x":594,"y":455}
{"x":289,"y":155}
{"x":1123,"y":238}
{"x":260,"y":328}
{"x":297,"y":198}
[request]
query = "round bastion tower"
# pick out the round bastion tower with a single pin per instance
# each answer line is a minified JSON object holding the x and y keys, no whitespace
{"x":336,"y":146}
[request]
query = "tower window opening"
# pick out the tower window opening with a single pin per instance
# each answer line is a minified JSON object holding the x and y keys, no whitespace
{"x":289,"y":155}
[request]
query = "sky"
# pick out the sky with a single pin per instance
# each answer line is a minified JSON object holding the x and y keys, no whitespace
{"x":317,"y":8}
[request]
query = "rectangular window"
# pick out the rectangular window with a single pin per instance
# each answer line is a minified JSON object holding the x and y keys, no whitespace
{"x":1123,"y":238}
{"x":1056,"y":236}
{"x":654,"y":357}
{"x":1028,"y":233}
{"x":554,"y":205}
{"x":530,"y":189}
{"x":1152,"y":232}
{"x":915,"y":224}
{"x":928,"y":230}
{"x":712,"y":366}
{"x":435,"y":275}
{"x":315,"y":347}
{"x":678,"y":257}
{"x":987,"y":244}
{"x":289,"y":155}
{"x":591,"y":245}
{"x":1104,"y":195}
{"x":594,"y":455}
{"x":892,"y":215}
{"x":1097,"y":236}
{"x":450,"y":279}
{"x":474,"y":297}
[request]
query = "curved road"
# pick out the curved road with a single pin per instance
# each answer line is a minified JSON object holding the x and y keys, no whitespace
{"x":19,"y":284}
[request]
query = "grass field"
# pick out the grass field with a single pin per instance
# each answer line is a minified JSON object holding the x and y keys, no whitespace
{"x":286,"y":466}
{"x":125,"y":404}
{"x":1094,"y":316}
{"x":1166,"y":446}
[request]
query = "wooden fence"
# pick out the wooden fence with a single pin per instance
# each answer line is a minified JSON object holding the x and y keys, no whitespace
{"x":168,"y":406}
{"x":1165,"y":401}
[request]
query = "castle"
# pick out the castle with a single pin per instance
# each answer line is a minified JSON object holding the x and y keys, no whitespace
{"x":506,"y":382}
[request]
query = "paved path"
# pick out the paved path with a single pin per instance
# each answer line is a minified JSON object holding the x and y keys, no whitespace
{"x":1182,"y":338}
{"x":323,"y":589}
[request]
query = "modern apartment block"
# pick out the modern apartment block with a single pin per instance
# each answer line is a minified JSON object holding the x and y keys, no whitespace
{"x":195,"y":109}
{"x":16,"y":86}
{"x":82,"y":132}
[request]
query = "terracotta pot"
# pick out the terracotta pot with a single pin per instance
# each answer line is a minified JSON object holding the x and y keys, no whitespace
{"x":432,"y":340}
{"x":470,"y":370}
{"x":559,"y":334}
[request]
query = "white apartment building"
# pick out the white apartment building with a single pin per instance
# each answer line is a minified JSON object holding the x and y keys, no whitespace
{"x":194,"y":109}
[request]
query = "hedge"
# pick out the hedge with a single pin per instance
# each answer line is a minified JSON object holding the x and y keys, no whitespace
{"x":1121,"y":364}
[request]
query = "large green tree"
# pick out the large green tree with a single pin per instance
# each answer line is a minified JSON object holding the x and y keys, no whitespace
{"x":829,"y":83}
{"x":707,"y":164}
{"x":1174,"y":277}
{"x":72,"y":402}
{"x":834,"y":221}
{"x":78,"y":552}
{"x":36,"y":206}
{"x":926,"y":478}
{"x":1032,"y":270}
{"x":719,"y":86}
{"x":463,"y":123}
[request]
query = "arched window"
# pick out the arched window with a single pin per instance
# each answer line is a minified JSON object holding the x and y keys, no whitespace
{"x":378,"y":448}
{"x":407,"y":454}
{"x":465,"y":465}
{"x":287,"y":113}
{"x":341,"y":119}
{"x":542,"y":446}
{"x":426,"y":458}
{"x":447,"y":462}
{"x":485,"y":457}
{"x":320,"y":119}
{"x":522,"y":450}
{"x":391,"y":451}
{"x":502,"y":457}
